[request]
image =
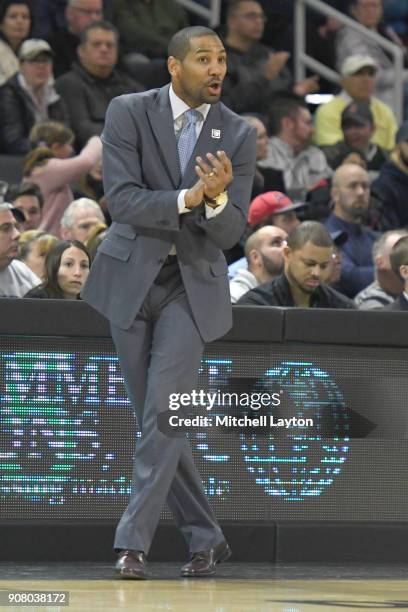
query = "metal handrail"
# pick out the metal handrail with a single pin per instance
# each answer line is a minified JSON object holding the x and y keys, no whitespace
{"x":212,"y":14}
{"x":302,"y":60}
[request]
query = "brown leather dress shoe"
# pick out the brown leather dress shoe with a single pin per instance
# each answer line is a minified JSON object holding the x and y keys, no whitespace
{"x":203,"y":563}
{"x":131,"y":564}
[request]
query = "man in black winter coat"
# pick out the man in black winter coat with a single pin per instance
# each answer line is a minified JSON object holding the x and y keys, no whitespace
{"x":88,"y":88}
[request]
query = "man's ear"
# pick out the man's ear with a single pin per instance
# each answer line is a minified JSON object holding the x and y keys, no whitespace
{"x":286,"y":251}
{"x":403,"y":270}
{"x":65,"y":233}
{"x":254,"y":257}
{"x":379,"y":263}
{"x":173,"y":66}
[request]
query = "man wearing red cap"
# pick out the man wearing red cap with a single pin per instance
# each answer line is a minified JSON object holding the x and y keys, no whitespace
{"x":270,"y":208}
{"x":274,"y":208}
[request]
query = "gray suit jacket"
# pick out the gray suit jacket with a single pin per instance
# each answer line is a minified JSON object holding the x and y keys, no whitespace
{"x":142,"y":182}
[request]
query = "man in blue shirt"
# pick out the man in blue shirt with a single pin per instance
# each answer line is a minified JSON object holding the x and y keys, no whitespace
{"x":351,"y":196}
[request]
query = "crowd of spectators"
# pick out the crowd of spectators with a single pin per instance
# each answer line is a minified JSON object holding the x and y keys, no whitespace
{"x":328,"y":221}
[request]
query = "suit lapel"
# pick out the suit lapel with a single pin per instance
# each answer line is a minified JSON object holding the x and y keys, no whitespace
{"x":161,"y":122}
{"x":209,"y":141}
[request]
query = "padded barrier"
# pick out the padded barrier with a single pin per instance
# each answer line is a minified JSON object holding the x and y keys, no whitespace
{"x":251,"y":323}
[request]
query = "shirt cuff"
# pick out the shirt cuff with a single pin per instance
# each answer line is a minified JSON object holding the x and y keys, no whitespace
{"x":213,"y":212}
{"x":181,"y":204}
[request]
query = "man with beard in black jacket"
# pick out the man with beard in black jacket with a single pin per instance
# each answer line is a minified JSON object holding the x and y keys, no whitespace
{"x":307,"y":256}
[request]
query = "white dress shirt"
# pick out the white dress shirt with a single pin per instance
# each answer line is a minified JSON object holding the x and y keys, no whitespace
{"x":178,"y":108}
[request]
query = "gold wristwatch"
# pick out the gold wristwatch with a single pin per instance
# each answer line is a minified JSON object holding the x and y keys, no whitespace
{"x":219,"y":200}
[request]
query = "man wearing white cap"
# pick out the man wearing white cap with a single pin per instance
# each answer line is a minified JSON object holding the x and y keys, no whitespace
{"x":28,"y":97}
{"x":349,"y":42}
{"x":358,"y":80}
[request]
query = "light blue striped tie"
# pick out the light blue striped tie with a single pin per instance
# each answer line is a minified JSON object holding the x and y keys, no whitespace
{"x":187,"y":137}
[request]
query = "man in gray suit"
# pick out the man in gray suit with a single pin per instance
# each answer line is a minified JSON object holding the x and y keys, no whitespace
{"x":178,"y":169}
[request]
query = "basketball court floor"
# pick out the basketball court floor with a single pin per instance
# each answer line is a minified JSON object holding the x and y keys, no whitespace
{"x":238,"y":587}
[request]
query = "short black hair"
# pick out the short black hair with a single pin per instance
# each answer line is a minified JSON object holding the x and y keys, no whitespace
{"x":233,"y":6}
{"x":399,"y":255}
{"x":309,"y":231}
{"x":24,"y":189}
{"x":102,"y":24}
{"x":5,"y":5}
{"x":284,"y":106}
{"x":179,"y":44}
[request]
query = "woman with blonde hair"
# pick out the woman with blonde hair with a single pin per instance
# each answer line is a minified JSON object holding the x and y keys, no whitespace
{"x":53,"y":176}
{"x":95,"y":237}
{"x":33,"y":246}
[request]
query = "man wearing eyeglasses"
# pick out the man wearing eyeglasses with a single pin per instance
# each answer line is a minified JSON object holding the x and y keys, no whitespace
{"x":78,"y":14}
{"x":16,"y":279}
{"x":255,"y":72}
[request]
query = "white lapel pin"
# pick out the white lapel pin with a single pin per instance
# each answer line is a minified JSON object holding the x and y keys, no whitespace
{"x":215,"y":133}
